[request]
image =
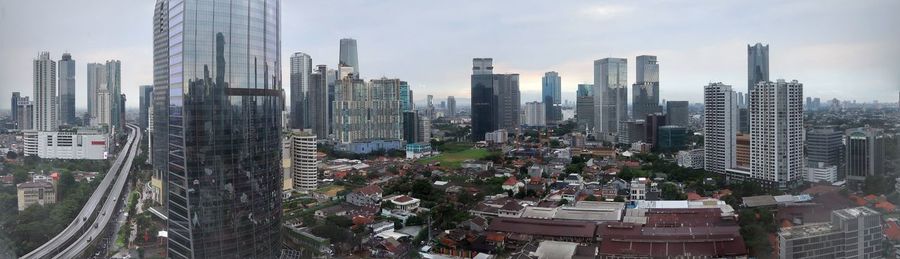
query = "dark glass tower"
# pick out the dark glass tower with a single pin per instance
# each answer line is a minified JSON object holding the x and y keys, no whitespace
{"x":66,"y":90}
{"x":224,"y":175}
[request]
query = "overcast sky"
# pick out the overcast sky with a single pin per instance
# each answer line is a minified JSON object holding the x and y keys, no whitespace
{"x":842,"y":49}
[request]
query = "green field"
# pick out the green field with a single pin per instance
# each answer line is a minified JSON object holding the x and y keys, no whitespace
{"x":454,"y":159}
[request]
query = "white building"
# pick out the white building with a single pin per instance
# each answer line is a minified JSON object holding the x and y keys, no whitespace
{"x":304,"y":166}
{"x":46,"y":107}
{"x":776,"y":124}
{"x":498,"y":136}
{"x":103,"y":109}
{"x":83,"y":144}
{"x":404,"y":202}
{"x":720,"y":124}
{"x":638,"y":189}
{"x":690,"y":158}
{"x":821,"y":173}
{"x":534,"y":114}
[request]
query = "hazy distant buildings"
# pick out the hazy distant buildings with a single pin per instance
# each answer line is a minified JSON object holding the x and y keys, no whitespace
{"x":13,"y":106}
{"x":67,"y":90}
{"x":144,"y":104}
{"x":551,"y":96}
{"x":45,"y":102}
{"x":757,"y":65}
{"x":301,"y":68}
{"x":451,"y":106}
{"x":584,"y":106}
{"x":535,"y":114}
{"x":645,"y":91}
{"x":96,"y":80}
{"x":677,"y":113}
{"x":113,"y":71}
{"x":865,"y":155}
{"x":719,"y":127}
{"x":776,"y":133}
{"x":495,"y":99}
{"x":348,"y":57}
{"x":610,"y":94}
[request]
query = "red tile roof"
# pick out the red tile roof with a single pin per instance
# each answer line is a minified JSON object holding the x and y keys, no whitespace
{"x":627,"y":239}
{"x":892,"y":230}
{"x":512,"y":205}
{"x":886,"y":206}
{"x":511,"y":181}
{"x":403,"y":198}
{"x":693,"y":196}
{"x":542,"y":227}
{"x":495,"y":237}
{"x":369,"y":190}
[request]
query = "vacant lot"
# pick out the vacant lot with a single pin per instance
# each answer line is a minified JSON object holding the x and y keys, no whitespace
{"x":454,"y":159}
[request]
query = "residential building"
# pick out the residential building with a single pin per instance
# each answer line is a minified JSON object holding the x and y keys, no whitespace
{"x":304,"y":164}
{"x":367,"y":111}
{"x":742,"y":151}
{"x":677,"y":113}
{"x":38,"y":192}
{"x":113,"y":71}
{"x":144,"y":106}
{"x":67,"y":90}
{"x":45,"y":100}
{"x":865,"y":155}
{"x":719,"y":127}
{"x":610,"y":94}
{"x":104,"y":116}
{"x":690,"y":158}
{"x":318,"y":102}
{"x":496,"y":137}
{"x":776,"y":134}
{"x":852,"y":233}
{"x":584,"y":107}
{"x":423,"y":129}
{"x":224,"y":105}
{"x":96,"y":80}
{"x":495,"y":99}
{"x":24,"y":114}
{"x":404,"y":202}
{"x":535,"y":114}
{"x":14,"y":106}
{"x":369,"y":195}
{"x":348,"y":56}
{"x":81,"y":144}
{"x":301,"y":68}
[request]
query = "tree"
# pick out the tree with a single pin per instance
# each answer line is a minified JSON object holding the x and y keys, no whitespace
{"x":20,"y":177}
{"x":340,"y":221}
{"x":11,"y":155}
{"x":619,"y":199}
{"x":421,"y":188}
{"x":671,"y":192}
{"x":591,"y":198}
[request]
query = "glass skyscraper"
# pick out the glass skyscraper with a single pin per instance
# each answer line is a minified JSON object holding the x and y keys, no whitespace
{"x":301,"y":68}
{"x":610,"y":93}
{"x":67,"y":90}
{"x":224,"y":174}
{"x":757,"y":65}
{"x":645,"y":91}
{"x":348,"y":57}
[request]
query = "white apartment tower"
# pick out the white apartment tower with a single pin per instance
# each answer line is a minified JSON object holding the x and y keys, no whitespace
{"x":535,"y":115}
{"x":45,"y":100}
{"x":720,"y":124}
{"x":776,"y":127}
{"x":304,"y":166}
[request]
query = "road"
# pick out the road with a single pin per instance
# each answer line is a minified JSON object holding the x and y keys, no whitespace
{"x":82,"y":222}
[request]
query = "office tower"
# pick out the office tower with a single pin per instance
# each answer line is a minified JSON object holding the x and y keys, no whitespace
{"x":451,"y":106}
{"x":757,"y":65}
{"x":144,"y":105}
{"x":331,"y":76}
{"x":45,"y":105}
{"x":645,"y":91}
{"x":423,"y":129}
{"x":159,"y":138}
{"x":776,"y":133}
{"x":104,"y":101}
{"x":304,"y":165}
{"x":410,"y":126}
{"x":405,"y":98}
{"x":824,"y":145}
{"x":443,"y":105}
{"x":631,"y":131}
{"x":225,"y":101}
{"x":122,"y":111}
{"x":412,"y":101}
{"x":96,"y":79}
{"x":535,"y":114}
{"x":584,"y":106}
{"x":318,"y":98}
{"x":671,"y":138}
{"x":429,"y":108}
{"x":610,"y":93}
{"x":348,"y":56}
{"x":864,"y":156}
{"x":24,"y":114}
{"x":677,"y":113}
{"x":551,"y":95}
{"x":114,"y":86}
{"x":719,"y":127}
{"x":744,"y":120}
{"x":301,"y":68}
{"x":67,"y":90}
{"x":495,"y":99}
{"x":14,"y":105}
{"x":366,"y":110}
{"x":851,"y":233}
{"x":652,"y":124}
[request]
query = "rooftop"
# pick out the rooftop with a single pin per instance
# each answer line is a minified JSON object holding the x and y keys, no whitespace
{"x":804,"y":231}
{"x":544,"y":227}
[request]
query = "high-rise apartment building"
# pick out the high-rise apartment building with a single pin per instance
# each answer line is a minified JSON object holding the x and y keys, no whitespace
{"x":224,"y":124}
{"x":304,"y":164}
{"x":114,"y":86}
{"x":104,"y":100}
{"x":96,"y":80}
{"x":24,"y":114}
{"x":67,"y":90}
{"x":677,"y":113}
{"x":645,"y":91}
{"x":495,"y":99}
{"x":365,"y":111}
{"x":318,"y":98}
{"x":535,"y":114}
{"x":610,"y":94}
{"x":719,"y":127}
{"x":451,"y":106}
{"x":45,"y":100}
{"x":864,"y":155}
{"x":776,"y":134}
{"x":348,"y":57}
{"x":584,"y":106}
{"x":757,"y":65}
{"x":301,"y":68}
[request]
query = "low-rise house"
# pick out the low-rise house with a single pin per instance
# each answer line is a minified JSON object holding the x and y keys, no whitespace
{"x":39,"y":192}
{"x":512,"y":184}
{"x":369,"y":195}
{"x":404,"y":202}
{"x":336,"y":210}
{"x":476,"y":223}
{"x":477,"y":164}
{"x":511,"y":209}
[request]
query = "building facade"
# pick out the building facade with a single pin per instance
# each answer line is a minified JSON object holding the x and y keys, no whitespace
{"x":677,"y":113}
{"x":96,"y":80}
{"x":776,"y":133}
{"x":825,"y":145}
{"x":24,"y":114}
{"x":304,"y":165}
{"x":864,"y":155}
{"x":535,"y":115}
{"x":852,"y":233}
{"x":45,"y":101}
{"x":365,"y":111}
{"x":348,"y":57}
{"x":301,"y":68}
{"x":645,"y":90}
{"x":610,"y":94}
{"x":67,"y":90}
{"x":584,"y":107}
{"x":113,"y":71}
{"x":495,"y":99}
{"x":451,"y":106}
{"x":35,"y":193}
{"x":318,"y":102}
{"x":719,"y":127}
{"x":88,"y":145}
{"x":144,"y":104}
{"x":757,"y":65}
{"x":224,"y":147}
{"x":551,"y":95}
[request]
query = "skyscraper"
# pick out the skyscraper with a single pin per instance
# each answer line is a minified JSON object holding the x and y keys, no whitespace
{"x":318,"y":98}
{"x":365,"y":111}
{"x":610,"y":94}
{"x":865,"y":155}
{"x":114,"y":86}
{"x":410,"y":126}
{"x":14,"y":106}
{"x":677,"y":113}
{"x":348,"y":56}
{"x":719,"y":127}
{"x":645,"y":91}
{"x":67,"y":90}
{"x":824,"y":144}
{"x":776,"y":134}
{"x":45,"y":104}
{"x":451,"y":106}
{"x":584,"y":106}
{"x":534,"y":114}
{"x":24,"y":114}
{"x":429,"y":106}
{"x":301,"y":68}
{"x":496,"y":102}
{"x":405,"y":98}
{"x":144,"y":104}
{"x":304,"y":165}
{"x":224,"y":109}
{"x":551,"y":96}
{"x":96,"y":80}
{"x":159,"y":138}
{"x":757,"y":65}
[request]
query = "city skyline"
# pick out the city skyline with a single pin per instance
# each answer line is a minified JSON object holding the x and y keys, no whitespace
{"x":694,"y":54}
